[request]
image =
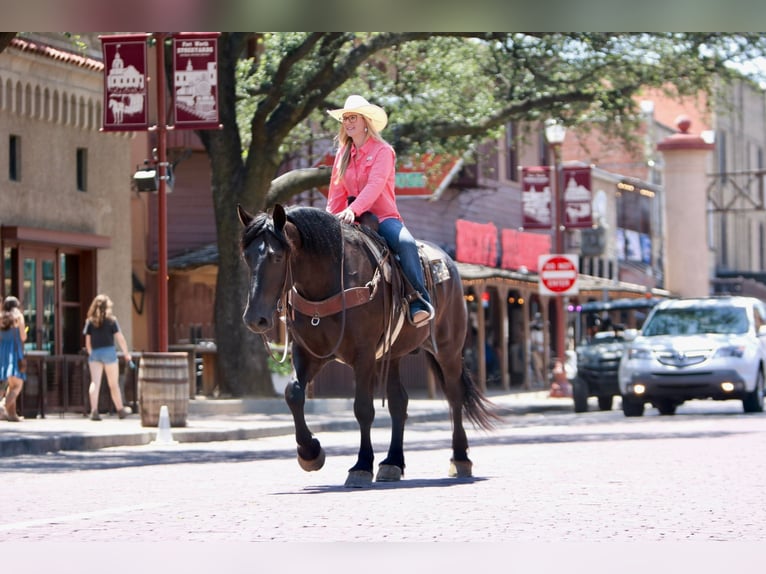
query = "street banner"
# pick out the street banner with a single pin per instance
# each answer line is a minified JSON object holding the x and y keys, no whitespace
{"x":536,"y":198}
{"x":476,"y":242}
{"x":126,"y":104}
{"x":195,"y":80}
{"x":578,"y":198}
{"x":522,"y":249}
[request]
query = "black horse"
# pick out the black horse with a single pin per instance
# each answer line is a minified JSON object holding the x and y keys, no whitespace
{"x":342,"y":299}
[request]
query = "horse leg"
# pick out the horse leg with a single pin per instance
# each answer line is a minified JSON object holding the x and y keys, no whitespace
{"x":392,"y":468}
{"x":360,"y":474}
{"x":451,"y":372}
{"x":311,"y":455}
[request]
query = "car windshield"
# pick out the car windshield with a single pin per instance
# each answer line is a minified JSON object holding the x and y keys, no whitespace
{"x":695,"y":321}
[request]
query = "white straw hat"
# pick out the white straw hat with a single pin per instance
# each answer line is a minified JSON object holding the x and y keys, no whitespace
{"x":358,"y":105}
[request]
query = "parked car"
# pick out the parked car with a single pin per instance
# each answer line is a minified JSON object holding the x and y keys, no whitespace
{"x":707,"y":348}
{"x":599,"y":353}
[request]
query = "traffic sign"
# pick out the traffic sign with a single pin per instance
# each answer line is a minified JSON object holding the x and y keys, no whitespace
{"x":558,"y":274}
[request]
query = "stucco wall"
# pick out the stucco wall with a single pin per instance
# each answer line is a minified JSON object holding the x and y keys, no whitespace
{"x":58,"y":112}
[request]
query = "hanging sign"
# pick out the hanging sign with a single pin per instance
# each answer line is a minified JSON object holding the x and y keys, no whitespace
{"x":195,"y":80}
{"x":536,"y":198}
{"x":126,"y":103}
{"x":578,"y":199}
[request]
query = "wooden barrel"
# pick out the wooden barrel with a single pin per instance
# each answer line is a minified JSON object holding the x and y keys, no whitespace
{"x":163,"y":379}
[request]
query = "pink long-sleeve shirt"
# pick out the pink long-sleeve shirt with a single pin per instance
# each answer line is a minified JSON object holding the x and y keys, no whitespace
{"x":370,"y":177}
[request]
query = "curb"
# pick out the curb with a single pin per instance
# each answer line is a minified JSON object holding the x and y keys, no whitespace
{"x":268,"y":424}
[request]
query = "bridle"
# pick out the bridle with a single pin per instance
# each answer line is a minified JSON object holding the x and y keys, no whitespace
{"x":283,"y":303}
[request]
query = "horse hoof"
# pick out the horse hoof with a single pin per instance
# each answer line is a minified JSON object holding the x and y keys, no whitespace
{"x":313,"y":464}
{"x":358,"y":479}
{"x":460,"y":468}
{"x":388,"y":473}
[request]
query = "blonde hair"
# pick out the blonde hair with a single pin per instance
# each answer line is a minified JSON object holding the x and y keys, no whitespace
{"x":345,"y":141}
{"x":10,"y":313}
{"x":100,"y":310}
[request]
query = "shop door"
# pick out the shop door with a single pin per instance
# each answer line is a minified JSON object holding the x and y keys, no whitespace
{"x":39,"y":298}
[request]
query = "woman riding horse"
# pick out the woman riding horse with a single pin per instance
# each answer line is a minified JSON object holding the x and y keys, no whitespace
{"x":339,"y":305}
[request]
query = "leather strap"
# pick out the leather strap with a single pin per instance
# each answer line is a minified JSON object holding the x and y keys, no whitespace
{"x":355,"y":296}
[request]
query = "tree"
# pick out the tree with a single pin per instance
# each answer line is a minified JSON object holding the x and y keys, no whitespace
{"x":444,"y":92}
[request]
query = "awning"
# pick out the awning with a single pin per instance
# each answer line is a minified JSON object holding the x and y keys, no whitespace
{"x":54,"y":237}
{"x":429,"y":175}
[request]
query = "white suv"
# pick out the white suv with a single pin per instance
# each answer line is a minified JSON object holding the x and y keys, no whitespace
{"x":713,"y":347}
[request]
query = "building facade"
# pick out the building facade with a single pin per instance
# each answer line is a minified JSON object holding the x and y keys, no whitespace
{"x":64,"y":194}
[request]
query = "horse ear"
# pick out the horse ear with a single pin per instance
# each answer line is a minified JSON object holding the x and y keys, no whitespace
{"x":279,"y":217}
{"x":244,"y":217}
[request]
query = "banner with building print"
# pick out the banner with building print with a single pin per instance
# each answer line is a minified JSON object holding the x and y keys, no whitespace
{"x":126,"y":105}
{"x":195,"y":80}
{"x":578,"y":198}
{"x":536,"y":197}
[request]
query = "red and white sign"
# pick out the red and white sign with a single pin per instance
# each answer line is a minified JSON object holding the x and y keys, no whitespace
{"x":558,"y":274}
{"x":578,"y":199}
{"x":195,"y":80}
{"x":125,"y":91}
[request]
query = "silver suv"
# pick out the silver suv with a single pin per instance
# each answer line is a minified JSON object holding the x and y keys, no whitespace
{"x":713,"y":347}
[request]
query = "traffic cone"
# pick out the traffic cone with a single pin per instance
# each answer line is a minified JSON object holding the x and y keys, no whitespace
{"x":164,"y":435}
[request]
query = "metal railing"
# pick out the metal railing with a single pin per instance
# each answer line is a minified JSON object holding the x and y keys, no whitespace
{"x":58,"y":384}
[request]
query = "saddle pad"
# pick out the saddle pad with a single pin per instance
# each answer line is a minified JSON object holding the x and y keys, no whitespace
{"x":438,"y":266}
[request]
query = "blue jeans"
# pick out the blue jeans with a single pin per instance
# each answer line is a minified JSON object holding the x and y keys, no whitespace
{"x":402,"y":243}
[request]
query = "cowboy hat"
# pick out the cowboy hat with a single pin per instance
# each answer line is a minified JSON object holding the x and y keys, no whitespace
{"x":358,"y":105}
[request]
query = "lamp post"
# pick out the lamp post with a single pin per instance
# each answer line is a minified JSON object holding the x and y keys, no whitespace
{"x":554,"y":134}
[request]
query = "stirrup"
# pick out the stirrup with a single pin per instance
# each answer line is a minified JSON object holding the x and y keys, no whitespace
{"x":421,"y":316}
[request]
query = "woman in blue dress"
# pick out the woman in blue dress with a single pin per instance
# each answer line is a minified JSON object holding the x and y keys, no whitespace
{"x":13,"y":333}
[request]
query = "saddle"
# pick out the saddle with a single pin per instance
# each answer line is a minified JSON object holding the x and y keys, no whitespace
{"x":388,"y":269}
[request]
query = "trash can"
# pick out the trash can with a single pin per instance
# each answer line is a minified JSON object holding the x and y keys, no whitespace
{"x":163,"y":379}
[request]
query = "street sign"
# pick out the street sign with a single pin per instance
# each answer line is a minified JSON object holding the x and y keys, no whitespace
{"x":558,"y":274}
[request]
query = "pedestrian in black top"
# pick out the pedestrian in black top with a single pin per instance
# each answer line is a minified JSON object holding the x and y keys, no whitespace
{"x":101,"y":331}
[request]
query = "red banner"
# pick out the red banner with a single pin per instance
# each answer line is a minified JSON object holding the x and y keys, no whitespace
{"x":195,"y":74}
{"x":521,"y":249}
{"x":578,"y":199}
{"x":476,"y":242}
{"x":536,"y":198}
{"x":126,"y":103}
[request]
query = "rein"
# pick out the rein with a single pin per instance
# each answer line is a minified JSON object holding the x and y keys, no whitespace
{"x":288,"y":286}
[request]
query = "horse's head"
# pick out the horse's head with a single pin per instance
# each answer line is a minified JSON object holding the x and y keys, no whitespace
{"x":265,"y":247}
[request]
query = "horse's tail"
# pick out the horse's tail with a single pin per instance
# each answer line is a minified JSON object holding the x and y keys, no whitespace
{"x":477,"y":408}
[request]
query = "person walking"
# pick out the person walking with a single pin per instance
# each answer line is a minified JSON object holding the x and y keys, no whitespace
{"x":362,"y":180}
{"x":13,"y":333}
{"x":101,"y":331}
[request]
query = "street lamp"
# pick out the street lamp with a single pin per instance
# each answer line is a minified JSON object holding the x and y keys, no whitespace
{"x":555,"y":132}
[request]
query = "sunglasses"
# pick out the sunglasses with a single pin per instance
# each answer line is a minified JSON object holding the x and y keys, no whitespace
{"x":350,"y":117}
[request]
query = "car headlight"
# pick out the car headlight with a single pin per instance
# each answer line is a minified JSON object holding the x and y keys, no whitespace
{"x":639,"y":353}
{"x":737,"y":351}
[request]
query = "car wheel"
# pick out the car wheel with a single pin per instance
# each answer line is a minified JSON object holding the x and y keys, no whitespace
{"x":580,"y":395}
{"x":605,"y":402}
{"x":666,"y":407}
{"x":753,"y":402}
{"x":632,"y":407}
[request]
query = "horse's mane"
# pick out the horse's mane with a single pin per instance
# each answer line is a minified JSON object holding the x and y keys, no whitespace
{"x":320,"y":231}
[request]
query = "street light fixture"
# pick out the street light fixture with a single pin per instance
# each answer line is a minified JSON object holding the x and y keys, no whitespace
{"x":555,"y":132}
